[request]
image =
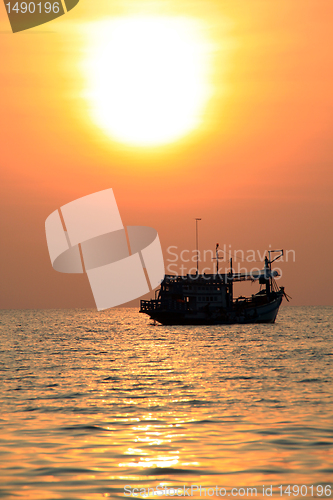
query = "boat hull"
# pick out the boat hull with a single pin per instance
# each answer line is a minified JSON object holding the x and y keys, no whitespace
{"x":265,"y":313}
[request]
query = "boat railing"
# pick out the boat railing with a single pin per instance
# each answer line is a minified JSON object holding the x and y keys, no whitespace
{"x":149,"y":305}
{"x":244,"y":299}
{"x":202,"y":279}
{"x":193,"y":279}
{"x":254,"y":300}
{"x":153,"y":305}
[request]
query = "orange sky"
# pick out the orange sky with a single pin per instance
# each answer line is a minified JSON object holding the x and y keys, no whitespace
{"x":258,"y":171}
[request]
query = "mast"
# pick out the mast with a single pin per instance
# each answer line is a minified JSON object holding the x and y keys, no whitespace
{"x":231,"y":285}
{"x":197,"y":242}
{"x":217,"y":258}
{"x":269,"y":263}
{"x":268,"y":274}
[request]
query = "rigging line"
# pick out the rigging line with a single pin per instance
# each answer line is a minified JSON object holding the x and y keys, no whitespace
{"x":242,"y":260}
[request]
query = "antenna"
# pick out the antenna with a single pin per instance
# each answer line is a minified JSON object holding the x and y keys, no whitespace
{"x":197,"y":242}
{"x":217,"y":258}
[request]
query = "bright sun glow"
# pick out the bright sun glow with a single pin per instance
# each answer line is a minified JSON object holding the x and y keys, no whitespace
{"x":147,"y":78}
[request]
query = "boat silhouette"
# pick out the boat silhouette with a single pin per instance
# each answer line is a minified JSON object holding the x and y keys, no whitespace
{"x":208,"y":299}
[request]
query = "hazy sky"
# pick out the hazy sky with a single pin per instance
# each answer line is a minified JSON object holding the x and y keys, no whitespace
{"x":257,"y":168}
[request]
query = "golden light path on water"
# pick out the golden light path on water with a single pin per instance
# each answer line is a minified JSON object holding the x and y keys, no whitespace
{"x":147,"y":77}
{"x":96,"y":402}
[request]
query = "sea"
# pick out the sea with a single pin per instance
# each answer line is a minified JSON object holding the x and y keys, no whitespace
{"x":97,"y":405}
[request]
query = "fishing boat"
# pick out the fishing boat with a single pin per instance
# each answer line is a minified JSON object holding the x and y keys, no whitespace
{"x":208,"y":299}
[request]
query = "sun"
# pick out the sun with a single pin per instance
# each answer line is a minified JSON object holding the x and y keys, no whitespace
{"x":147,"y":78}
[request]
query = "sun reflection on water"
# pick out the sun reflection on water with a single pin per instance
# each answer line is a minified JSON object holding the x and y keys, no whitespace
{"x":193,"y":409}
